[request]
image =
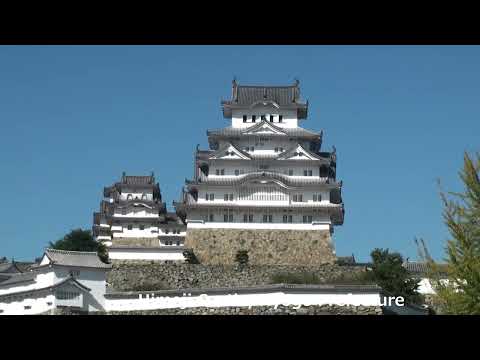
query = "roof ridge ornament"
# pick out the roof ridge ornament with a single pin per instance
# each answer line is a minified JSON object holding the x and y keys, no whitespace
{"x":234,"y":89}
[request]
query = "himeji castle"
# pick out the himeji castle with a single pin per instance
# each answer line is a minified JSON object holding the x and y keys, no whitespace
{"x":134,"y":224}
{"x":264,"y":185}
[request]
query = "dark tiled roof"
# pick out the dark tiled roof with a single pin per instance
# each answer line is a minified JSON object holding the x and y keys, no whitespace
{"x":281,"y":95}
{"x":293,"y":132}
{"x":19,"y":278}
{"x":138,"y":180}
{"x":9,"y":267}
{"x":270,"y":175}
{"x":76,"y":258}
{"x":69,"y":280}
{"x":284,"y":96}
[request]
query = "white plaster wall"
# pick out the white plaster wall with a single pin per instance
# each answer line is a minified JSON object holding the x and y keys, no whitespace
{"x":268,"y":226}
{"x":39,"y":304}
{"x":289,"y":116}
{"x":146,"y":254}
{"x":95,"y":279}
{"x":219,"y":195}
{"x":125,"y":195}
{"x":251,"y":166}
{"x":246,"y":300}
{"x":148,"y":232}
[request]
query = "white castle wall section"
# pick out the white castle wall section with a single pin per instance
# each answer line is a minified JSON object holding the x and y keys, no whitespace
{"x":193,"y":224}
{"x":146,"y":254}
{"x":32,"y":305}
{"x":146,"y":302}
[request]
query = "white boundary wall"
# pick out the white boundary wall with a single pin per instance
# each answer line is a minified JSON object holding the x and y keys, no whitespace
{"x":146,"y":254}
{"x":152,"y":302}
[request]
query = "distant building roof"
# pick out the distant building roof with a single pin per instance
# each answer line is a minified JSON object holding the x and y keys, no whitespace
{"x":75,"y":258}
{"x":18,"y":278}
{"x":422,"y":268}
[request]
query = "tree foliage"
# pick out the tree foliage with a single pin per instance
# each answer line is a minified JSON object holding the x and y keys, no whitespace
{"x":389,"y":273}
{"x":461,"y":293}
{"x":80,"y":240}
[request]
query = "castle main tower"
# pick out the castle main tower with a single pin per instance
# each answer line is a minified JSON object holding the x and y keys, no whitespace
{"x":264,"y":185}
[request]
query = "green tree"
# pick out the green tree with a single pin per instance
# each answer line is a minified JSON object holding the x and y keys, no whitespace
{"x":388,"y":273}
{"x":80,"y":240}
{"x":461,"y":293}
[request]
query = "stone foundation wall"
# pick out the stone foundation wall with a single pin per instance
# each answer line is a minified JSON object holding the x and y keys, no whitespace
{"x":151,"y":275}
{"x":283,"y":247}
{"x":261,"y":310}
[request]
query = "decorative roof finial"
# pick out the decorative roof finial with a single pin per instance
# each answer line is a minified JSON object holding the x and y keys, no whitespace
{"x":297,"y":82}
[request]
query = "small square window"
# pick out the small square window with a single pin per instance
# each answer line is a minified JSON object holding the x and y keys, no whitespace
{"x":290,"y":172}
{"x":231,"y":197}
{"x":250,"y":218}
{"x":280,"y":118}
{"x":206,"y":196}
{"x":285,"y":218}
{"x":304,"y":172}
{"x":314,"y":197}
{"x":236,"y":172}
{"x":254,"y":118}
{"x":310,"y":173}
{"x":142,"y":227}
{"x":271,"y":118}
{"x":217,"y":172}
{"x":245,"y":218}
{"x":244,"y":118}
{"x":27,"y":307}
{"x":129,"y":227}
{"x":212,"y":197}
{"x":263,"y":117}
{"x":290,"y":218}
{"x":222,"y":172}
{"x":124,"y":211}
{"x":211,"y":217}
{"x":225,"y":197}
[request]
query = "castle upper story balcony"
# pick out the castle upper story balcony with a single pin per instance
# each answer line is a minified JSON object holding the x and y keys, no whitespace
{"x":264,"y":175}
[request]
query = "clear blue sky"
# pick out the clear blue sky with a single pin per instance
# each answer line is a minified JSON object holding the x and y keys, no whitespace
{"x":72,"y":118}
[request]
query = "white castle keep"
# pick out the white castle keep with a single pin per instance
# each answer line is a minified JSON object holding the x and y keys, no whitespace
{"x":264,"y":174}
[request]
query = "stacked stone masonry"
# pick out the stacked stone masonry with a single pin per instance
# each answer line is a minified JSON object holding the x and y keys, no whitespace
{"x":262,"y":310}
{"x":283,"y":247}
{"x":146,"y":275}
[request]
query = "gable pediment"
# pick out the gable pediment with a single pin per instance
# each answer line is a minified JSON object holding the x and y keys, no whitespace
{"x":230,"y":152}
{"x":264,"y":127}
{"x":297,"y":153}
